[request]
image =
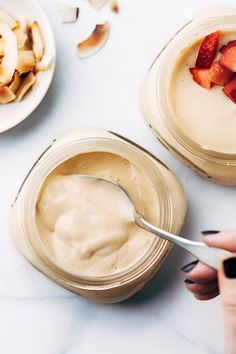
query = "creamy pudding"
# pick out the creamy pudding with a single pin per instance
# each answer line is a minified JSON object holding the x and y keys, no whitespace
{"x":206,"y":116}
{"x":86,"y":226}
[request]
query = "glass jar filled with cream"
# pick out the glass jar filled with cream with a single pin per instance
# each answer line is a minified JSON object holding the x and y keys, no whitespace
{"x":98,"y":253}
{"x":194,"y":117}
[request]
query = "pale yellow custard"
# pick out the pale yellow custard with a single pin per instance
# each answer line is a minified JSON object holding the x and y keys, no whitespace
{"x":87,"y":227}
{"x":207,"y":117}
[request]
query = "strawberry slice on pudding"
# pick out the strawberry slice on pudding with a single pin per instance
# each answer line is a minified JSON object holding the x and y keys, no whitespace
{"x":201,"y":76}
{"x":219,"y":75}
{"x":230,"y":44}
{"x":207,"y":51}
{"x":230,"y":89}
{"x":228,"y":59}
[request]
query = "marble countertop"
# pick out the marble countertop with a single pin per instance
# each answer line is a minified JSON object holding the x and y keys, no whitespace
{"x":38,"y":316}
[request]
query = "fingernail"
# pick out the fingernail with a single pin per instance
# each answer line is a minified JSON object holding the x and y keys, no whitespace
{"x":209,"y":232}
{"x":230,"y":267}
{"x":188,"y":267}
{"x":187,"y":281}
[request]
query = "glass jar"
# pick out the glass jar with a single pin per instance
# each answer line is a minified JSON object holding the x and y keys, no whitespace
{"x":112,"y":288}
{"x":215,"y":165}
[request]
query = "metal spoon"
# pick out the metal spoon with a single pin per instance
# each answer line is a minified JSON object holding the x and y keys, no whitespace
{"x":209,"y":255}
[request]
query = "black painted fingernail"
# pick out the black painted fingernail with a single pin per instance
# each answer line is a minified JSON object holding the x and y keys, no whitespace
{"x":188,"y":267}
{"x":209,"y":232}
{"x":230,"y":267}
{"x":187,"y":281}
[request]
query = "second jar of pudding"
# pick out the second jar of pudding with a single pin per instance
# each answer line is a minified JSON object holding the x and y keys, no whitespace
{"x":197,"y":125}
{"x":48,"y":217}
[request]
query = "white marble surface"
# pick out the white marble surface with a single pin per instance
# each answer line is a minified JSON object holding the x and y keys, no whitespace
{"x":36,"y":315}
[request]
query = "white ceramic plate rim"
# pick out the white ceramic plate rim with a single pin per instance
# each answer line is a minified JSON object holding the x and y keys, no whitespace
{"x":13,"y":113}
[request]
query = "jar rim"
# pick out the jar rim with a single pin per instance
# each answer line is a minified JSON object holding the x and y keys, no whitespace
{"x":48,"y":162}
{"x":166,"y":66}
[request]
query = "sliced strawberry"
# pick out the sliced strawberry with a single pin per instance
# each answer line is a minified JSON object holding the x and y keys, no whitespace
{"x":230,"y":89}
{"x":228,"y":59}
{"x":227,"y":46}
{"x":201,"y":76}
{"x":207,"y":51}
{"x":219,"y":75}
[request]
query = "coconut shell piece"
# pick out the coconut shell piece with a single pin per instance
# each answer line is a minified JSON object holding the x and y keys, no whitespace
{"x":68,"y":12}
{"x":9,"y":60}
{"x":38,"y":76}
{"x":2,"y":47}
{"x":94,"y":42}
{"x":26,"y":61}
{"x":98,"y":4}
{"x":15,"y":82}
{"x":25,"y":85}
{"x":37,"y":39}
{"x":44,"y":63}
{"x":7,"y":19}
{"x":6,"y":95}
{"x":21,"y":38}
{"x":114,"y":6}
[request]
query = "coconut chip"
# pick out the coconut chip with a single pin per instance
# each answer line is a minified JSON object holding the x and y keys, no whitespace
{"x":2,"y":47}
{"x":45,"y":63}
{"x":6,"y":95}
{"x":25,"y":85}
{"x":38,"y":46}
{"x":15,"y":82}
{"x":26,"y":61}
{"x":21,"y":38}
{"x":9,"y":60}
{"x":68,"y":12}
{"x":114,"y":6}
{"x":7,"y":18}
{"x":38,"y":76}
{"x":98,"y":4}
{"x":94,"y":42}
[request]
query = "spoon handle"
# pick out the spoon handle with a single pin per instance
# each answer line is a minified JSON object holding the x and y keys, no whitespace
{"x":211,"y":256}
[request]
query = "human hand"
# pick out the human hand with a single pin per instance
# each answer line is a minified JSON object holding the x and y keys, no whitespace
{"x":205,"y":283}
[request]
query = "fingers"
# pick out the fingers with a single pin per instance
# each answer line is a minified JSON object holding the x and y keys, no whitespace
{"x":198,"y":272}
{"x":202,"y":289}
{"x":201,"y":280}
{"x":227,"y":284}
{"x":225,"y":240}
{"x":208,"y":296}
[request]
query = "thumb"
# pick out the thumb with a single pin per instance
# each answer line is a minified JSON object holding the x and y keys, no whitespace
{"x":227,"y":286}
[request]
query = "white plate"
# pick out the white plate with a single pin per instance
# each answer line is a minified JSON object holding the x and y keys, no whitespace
{"x":13,"y":113}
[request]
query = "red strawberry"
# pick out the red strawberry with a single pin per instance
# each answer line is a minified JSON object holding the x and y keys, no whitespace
{"x":219,"y":75}
{"x":228,"y":59}
{"x":207,"y":51}
{"x":230,"y":89}
{"x":227,"y":46}
{"x":201,"y":76}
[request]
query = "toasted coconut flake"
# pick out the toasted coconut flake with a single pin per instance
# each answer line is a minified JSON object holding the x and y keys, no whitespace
{"x":26,"y":61}
{"x":7,"y":18}
{"x":21,"y":38}
{"x":94,"y":42}
{"x":9,"y":60}
{"x":38,"y":76}
{"x":98,"y":4}
{"x":114,"y":6}
{"x":6,"y":95}
{"x":25,"y":85}
{"x":15,"y":83}
{"x":45,"y":63}
{"x":38,"y":46}
{"x":68,"y":12}
{"x":2,"y":47}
